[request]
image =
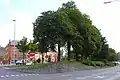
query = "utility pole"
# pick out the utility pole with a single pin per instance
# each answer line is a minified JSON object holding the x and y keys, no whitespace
{"x":107,"y":2}
{"x":14,"y":42}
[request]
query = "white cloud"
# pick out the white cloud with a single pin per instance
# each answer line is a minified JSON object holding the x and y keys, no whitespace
{"x":6,"y":2}
{"x":23,"y":24}
{"x":105,"y":17}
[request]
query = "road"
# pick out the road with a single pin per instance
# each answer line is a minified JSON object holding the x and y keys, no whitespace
{"x":99,"y":74}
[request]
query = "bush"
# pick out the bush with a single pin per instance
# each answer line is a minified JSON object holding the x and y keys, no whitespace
{"x":88,"y":62}
{"x":93,"y":63}
{"x":111,"y":64}
{"x":99,"y":63}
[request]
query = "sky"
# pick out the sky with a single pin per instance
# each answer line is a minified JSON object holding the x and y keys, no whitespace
{"x":104,"y":16}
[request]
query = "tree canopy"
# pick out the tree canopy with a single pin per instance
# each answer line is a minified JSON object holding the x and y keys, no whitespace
{"x":69,"y":26}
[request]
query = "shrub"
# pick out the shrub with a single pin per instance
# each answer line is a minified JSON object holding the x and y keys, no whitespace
{"x":93,"y":63}
{"x":99,"y":63}
{"x":110,"y":64}
{"x":89,"y":63}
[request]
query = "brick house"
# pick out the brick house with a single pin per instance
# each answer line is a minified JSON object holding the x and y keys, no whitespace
{"x":9,"y":55}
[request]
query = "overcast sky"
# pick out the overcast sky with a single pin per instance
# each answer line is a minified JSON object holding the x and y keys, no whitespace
{"x":105,"y":17}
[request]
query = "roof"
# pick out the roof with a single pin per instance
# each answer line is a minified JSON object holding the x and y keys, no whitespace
{"x":12,"y":42}
{"x":2,"y":51}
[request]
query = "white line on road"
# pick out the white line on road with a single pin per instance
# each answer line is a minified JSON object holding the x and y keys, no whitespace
{"x":67,"y":75}
{"x":17,"y":75}
{"x":12,"y":75}
{"x":7,"y":75}
{"x":99,"y":77}
{"x":21,"y":75}
{"x":113,"y":77}
{"x":2,"y":76}
{"x":95,"y":75}
{"x":83,"y":77}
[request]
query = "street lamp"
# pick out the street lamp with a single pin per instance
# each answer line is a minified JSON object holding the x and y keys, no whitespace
{"x":14,"y":43}
{"x":107,"y":2}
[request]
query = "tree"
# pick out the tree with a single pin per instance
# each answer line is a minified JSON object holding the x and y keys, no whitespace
{"x":69,"y":26}
{"x":22,"y":46}
{"x":112,"y":55}
{"x":32,"y":47}
{"x":70,"y":30}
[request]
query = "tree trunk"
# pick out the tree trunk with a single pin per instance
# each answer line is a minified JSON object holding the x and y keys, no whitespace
{"x":76,"y":57}
{"x":59,"y":53}
{"x":34,"y":59}
{"x":42,"y":58}
{"x":68,"y":48}
{"x":23,"y":58}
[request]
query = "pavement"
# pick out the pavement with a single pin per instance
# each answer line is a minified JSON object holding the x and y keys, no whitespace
{"x":98,"y":74}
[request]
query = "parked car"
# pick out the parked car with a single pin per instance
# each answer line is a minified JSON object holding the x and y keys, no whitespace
{"x":19,"y":62}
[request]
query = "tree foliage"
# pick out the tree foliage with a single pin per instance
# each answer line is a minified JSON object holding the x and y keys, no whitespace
{"x":69,"y":26}
{"x":22,"y":46}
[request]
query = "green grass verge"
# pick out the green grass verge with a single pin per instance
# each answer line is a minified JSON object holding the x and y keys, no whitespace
{"x":35,"y":66}
{"x":13,"y":66}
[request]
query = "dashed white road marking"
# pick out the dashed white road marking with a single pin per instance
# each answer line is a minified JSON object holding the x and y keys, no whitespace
{"x":25,"y":74}
{"x":83,"y":77}
{"x":99,"y":77}
{"x":95,"y":75}
{"x":7,"y":75}
{"x":21,"y":75}
{"x":29,"y":74}
{"x":2,"y":76}
{"x":12,"y":75}
{"x":18,"y":75}
{"x":67,"y":75}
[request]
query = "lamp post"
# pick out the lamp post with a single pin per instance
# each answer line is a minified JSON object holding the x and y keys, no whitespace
{"x":14,"y":43}
{"x":107,"y":2}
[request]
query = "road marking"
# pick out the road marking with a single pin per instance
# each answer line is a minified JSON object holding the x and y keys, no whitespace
{"x":99,"y":77}
{"x":12,"y":75}
{"x":37,"y":74}
{"x":113,"y":77}
{"x":25,"y":75}
{"x":7,"y":75}
{"x":21,"y":75}
{"x":2,"y":76}
{"x":17,"y":75}
{"x":67,"y":75}
{"x":83,"y":77}
{"x":94,"y":75}
{"x":29,"y":74}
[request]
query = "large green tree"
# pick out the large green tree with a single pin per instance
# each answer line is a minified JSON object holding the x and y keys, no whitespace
{"x":68,"y":25}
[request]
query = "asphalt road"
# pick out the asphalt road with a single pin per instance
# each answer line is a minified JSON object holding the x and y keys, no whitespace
{"x":99,"y":74}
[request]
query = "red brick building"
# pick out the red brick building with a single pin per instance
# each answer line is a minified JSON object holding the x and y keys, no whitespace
{"x":9,"y":53}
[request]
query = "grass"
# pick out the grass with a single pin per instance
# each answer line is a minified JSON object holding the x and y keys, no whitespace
{"x":13,"y":66}
{"x":35,"y":66}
